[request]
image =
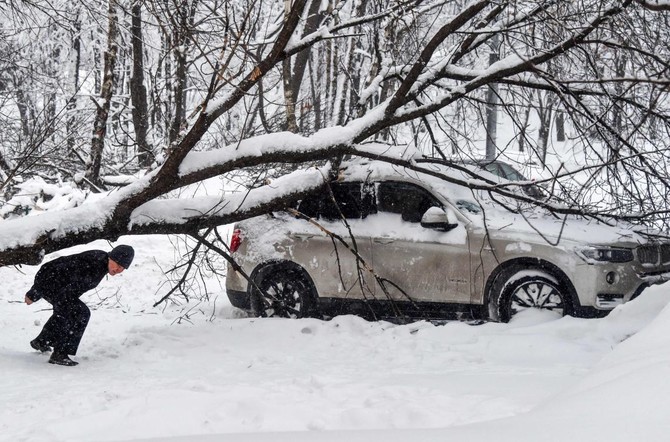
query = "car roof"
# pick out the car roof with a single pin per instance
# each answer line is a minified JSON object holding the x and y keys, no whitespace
{"x":499,"y":216}
{"x":456,"y":181}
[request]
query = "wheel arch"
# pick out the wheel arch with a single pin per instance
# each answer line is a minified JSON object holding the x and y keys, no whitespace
{"x":506,"y":269}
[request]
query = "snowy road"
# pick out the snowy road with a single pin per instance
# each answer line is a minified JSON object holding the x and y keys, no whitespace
{"x":141,"y":376}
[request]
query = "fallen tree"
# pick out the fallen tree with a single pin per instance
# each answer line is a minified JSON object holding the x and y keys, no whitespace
{"x":445,"y":70}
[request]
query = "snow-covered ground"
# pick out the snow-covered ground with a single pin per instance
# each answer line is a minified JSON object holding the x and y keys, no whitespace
{"x":226,"y":377}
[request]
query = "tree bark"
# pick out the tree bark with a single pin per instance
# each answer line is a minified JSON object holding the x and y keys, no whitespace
{"x":72,"y":101}
{"x":138,"y":91}
{"x":545,"y":113}
{"x":182,"y":34}
{"x":289,"y":99}
{"x":103,"y":106}
{"x":24,"y":109}
{"x":560,"y":126}
{"x":314,"y":19}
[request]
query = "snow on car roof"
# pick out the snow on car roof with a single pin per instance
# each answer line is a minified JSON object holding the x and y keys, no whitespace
{"x":530,"y":222}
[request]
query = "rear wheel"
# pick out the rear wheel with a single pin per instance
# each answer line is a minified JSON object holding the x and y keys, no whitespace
{"x":531,"y":289}
{"x":282,"y":292}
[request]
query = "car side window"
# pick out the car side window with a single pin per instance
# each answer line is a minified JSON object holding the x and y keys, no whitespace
{"x":408,"y":200}
{"x":354,"y":201}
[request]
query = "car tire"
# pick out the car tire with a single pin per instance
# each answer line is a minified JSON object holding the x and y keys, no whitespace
{"x":525,"y":289}
{"x":285,"y":292}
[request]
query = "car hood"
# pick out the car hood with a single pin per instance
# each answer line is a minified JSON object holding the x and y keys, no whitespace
{"x":533,"y":226}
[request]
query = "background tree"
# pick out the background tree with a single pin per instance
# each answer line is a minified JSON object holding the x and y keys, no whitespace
{"x":104,"y":103}
{"x":138,"y":90}
{"x":218,"y":102}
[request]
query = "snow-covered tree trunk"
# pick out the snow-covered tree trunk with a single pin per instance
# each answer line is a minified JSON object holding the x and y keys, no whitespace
{"x":75,"y":68}
{"x":289,"y":98}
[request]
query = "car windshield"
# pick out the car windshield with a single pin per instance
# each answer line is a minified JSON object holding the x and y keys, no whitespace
{"x":511,"y":174}
{"x":469,"y":206}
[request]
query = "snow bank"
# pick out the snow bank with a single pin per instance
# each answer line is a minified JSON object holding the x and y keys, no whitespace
{"x":624,"y":397}
{"x":220,"y":375}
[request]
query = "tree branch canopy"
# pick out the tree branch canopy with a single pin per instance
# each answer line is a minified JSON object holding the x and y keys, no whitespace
{"x":374,"y":79}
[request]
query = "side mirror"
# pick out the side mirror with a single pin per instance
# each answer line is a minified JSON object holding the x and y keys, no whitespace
{"x":437,"y":219}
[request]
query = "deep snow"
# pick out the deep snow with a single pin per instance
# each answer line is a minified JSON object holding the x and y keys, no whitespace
{"x":227,"y":377}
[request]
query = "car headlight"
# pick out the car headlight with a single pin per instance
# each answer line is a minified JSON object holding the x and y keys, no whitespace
{"x":593,"y":255}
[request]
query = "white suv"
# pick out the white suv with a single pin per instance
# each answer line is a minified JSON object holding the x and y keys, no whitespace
{"x":409,"y":245}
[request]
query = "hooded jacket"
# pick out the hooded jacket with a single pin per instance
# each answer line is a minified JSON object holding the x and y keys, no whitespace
{"x":69,"y":277}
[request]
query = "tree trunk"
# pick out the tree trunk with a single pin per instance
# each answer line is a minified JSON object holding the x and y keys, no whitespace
{"x":138,"y":92}
{"x":545,"y":114}
{"x":299,"y":66}
{"x":24,"y":109}
{"x":492,"y":105}
{"x":102,"y":114}
{"x":329,"y":86}
{"x":560,"y":126}
{"x":96,"y":60}
{"x":180,"y":82}
{"x":5,"y":171}
{"x":179,"y":86}
{"x":72,"y":101}
{"x":316,"y":97}
{"x":523,"y":132}
{"x":343,"y":85}
{"x":290,"y":93}
{"x":160,"y":110}
{"x":617,"y":117}
{"x":289,"y":99}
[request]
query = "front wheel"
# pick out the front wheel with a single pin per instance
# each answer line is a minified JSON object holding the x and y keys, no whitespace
{"x":526,"y":290}
{"x":281,"y":292}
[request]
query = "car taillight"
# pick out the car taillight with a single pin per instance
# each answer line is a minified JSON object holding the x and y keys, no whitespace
{"x":235,"y":240}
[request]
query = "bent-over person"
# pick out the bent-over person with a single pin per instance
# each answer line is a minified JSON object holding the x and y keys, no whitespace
{"x":61,"y":282}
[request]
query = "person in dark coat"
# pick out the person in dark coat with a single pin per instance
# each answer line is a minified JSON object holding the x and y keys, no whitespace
{"x":61,"y":282}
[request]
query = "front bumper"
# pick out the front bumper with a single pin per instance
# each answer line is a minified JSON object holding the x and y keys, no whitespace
{"x":608,"y":301}
{"x":604,"y":286}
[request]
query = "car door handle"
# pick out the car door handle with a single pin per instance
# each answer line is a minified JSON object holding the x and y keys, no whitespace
{"x":302,"y":236}
{"x":384,"y":240}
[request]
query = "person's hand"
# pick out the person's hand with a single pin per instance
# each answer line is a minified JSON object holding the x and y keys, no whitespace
{"x":28,"y":300}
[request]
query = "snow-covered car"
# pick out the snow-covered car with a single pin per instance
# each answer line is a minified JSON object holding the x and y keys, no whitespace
{"x":412,"y":245}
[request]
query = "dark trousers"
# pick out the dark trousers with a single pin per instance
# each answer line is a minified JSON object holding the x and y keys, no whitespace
{"x":66,"y":325}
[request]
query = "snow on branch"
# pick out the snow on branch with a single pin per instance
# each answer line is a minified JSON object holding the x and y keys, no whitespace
{"x":655,"y":5}
{"x":428,"y":80}
{"x":509,"y":66}
{"x":192,"y":214}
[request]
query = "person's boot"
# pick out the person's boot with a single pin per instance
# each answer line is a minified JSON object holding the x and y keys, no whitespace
{"x":40,"y":345}
{"x":59,"y":358}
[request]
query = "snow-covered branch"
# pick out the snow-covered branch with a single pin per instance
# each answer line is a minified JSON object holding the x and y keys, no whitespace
{"x":397,"y":63}
{"x":655,"y":5}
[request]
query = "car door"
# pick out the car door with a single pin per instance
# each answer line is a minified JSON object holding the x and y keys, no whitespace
{"x":416,"y":262}
{"x":334,"y":267}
